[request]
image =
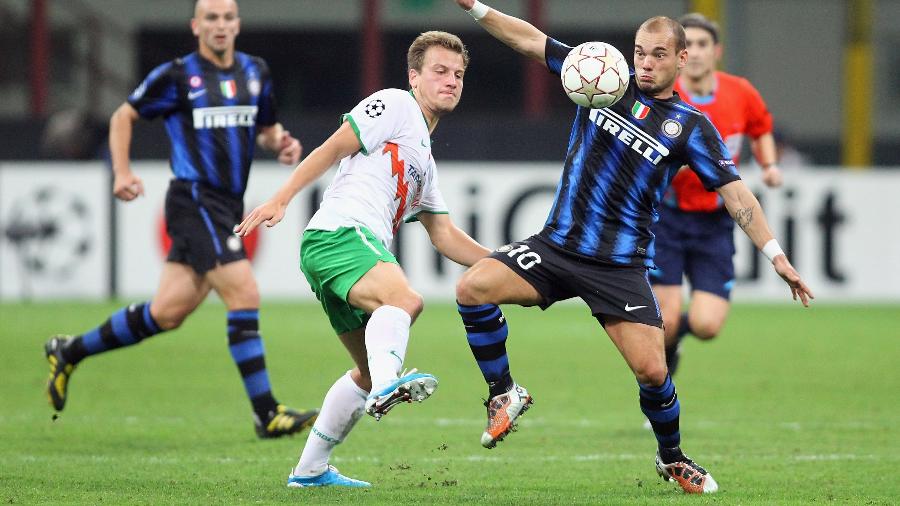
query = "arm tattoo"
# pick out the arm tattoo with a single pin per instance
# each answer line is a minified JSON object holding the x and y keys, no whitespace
{"x":743,"y":217}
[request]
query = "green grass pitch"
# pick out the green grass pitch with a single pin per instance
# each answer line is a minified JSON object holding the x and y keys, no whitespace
{"x":788,"y":406}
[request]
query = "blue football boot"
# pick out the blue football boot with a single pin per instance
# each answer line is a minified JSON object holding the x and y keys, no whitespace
{"x":330,"y":478}
{"x":410,"y":386}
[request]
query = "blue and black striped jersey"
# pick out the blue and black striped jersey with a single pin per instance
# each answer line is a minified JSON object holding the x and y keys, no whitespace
{"x":211,"y":115}
{"x":619,"y":163}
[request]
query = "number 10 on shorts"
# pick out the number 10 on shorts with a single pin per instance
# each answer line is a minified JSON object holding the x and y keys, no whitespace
{"x":526,"y":259}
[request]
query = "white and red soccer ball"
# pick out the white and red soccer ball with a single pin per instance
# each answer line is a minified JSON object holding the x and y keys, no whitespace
{"x":595,"y":75}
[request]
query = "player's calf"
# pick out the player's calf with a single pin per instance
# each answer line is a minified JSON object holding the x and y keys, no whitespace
{"x":661,"y":407}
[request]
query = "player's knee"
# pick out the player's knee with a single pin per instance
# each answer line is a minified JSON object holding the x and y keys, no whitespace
{"x":409,"y":301}
{"x":470,"y":291}
{"x":706,"y":329}
{"x":169,"y":320}
{"x":251,"y":298}
{"x":416,"y":304}
{"x":170,"y":312}
{"x":651,"y":374}
{"x":246,"y":298}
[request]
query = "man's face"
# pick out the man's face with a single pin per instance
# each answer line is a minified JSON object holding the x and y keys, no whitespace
{"x":439,"y":84}
{"x":656,"y":62}
{"x":216,"y":24}
{"x":703,"y":53}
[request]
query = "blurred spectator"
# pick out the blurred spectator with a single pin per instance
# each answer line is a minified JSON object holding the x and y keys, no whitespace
{"x":73,"y":134}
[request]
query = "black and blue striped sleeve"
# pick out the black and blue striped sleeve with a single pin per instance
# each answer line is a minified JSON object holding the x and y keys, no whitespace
{"x":708,"y":157}
{"x":157,"y":94}
{"x":554,"y":53}
{"x":268,"y":112}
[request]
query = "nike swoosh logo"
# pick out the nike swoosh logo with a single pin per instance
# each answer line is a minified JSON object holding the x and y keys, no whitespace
{"x":394,"y":353}
{"x":423,"y":144}
{"x":194,"y":94}
{"x":632,"y":308}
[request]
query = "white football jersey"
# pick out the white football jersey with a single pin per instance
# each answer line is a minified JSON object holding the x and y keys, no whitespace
{"x":392,"y":178}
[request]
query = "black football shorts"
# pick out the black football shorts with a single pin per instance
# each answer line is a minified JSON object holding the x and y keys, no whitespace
{"x":609,"y":290}
{"x":200,"y":220}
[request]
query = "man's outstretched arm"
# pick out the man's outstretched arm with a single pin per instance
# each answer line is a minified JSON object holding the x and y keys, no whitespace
{"x":514,"y":32}
{"x":746,"y":211}
{"x":451,"y":241}
{"x":342,"y":143}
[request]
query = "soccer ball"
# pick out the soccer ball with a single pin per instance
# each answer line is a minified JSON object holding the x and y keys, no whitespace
{"x":595,"y":75}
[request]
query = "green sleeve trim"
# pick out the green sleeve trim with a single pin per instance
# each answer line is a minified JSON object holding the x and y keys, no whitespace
{"x":349,"y":119}
{"x":415,"y":217}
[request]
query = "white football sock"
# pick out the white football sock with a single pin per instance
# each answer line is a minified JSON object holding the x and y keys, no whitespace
{"x":387,"y":334}
{"x":343,"y":406}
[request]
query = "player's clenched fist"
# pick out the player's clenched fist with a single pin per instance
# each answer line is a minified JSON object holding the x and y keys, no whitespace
{"x":290,"y":150}
{"x":772,"y":177}
{"x":128,"y":187}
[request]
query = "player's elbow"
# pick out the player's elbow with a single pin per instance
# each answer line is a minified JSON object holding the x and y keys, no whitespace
{"x":441,"y":241}
{"x":125,"y":114}
{"x":531,"y":48}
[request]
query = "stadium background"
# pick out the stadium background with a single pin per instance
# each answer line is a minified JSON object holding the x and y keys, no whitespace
{"x":822,"y":65}
{"x":788,"y":405}
{"x":67,"y":65}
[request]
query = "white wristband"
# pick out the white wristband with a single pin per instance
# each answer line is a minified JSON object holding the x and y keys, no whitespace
{"x":772,"y":250}
{"x":478,"y":10}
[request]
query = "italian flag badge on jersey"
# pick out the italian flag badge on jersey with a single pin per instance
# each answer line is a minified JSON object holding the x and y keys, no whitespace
{"x":639,"y":110}
{"x":229,"y":89}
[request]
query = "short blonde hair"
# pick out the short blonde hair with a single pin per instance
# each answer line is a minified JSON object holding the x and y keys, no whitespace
{"x":415,"y":57}
{"x":659,"y":23}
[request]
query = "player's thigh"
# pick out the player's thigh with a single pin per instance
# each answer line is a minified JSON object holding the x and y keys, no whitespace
{"x":641,"y":346}
{"x":355,"y":342}
{"x":334,"y":261}
{"x":235,"y":284}
{"x":180,"y":291}
{"x":707,"y":313}
{"x":617,"y":292}
{"x":384,"y":284}
{"x":490,"y":281}
{"x":670,"y":301}
{"x":528,"y":273}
